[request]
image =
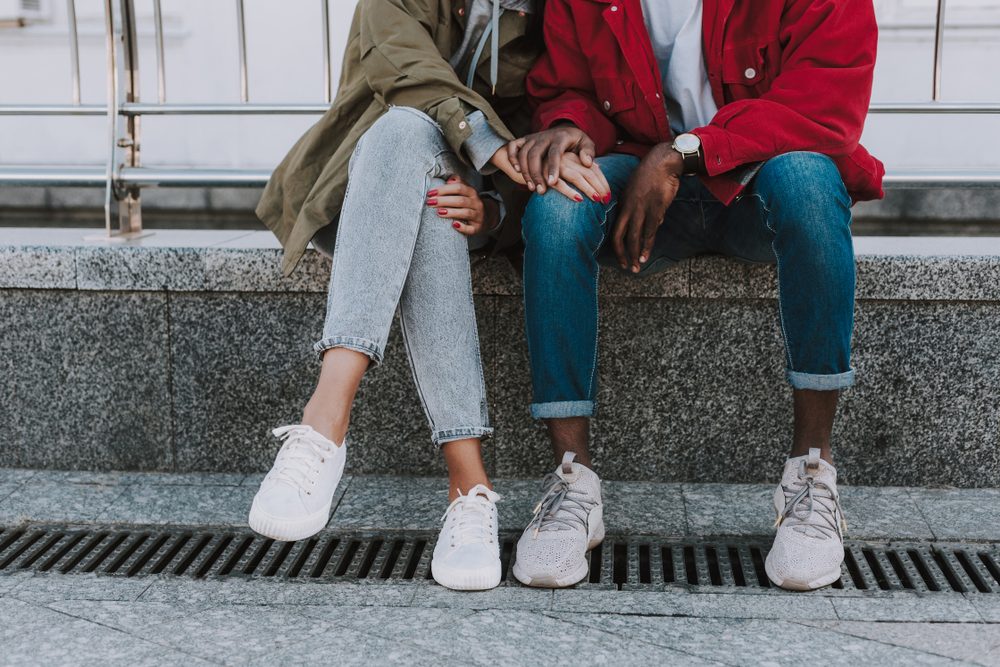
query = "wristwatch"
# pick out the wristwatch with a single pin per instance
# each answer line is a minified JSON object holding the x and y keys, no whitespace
{"x":689,"y":146}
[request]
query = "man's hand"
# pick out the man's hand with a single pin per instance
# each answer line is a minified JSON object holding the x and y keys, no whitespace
{"x":650,"y":192}
{"x":538,"y":156}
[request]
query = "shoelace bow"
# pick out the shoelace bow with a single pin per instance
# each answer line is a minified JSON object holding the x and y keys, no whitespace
{"x":812,"y":504}
{"x":561,"y":508}
{"x":473,"y":522}
{"x":300,"y":454}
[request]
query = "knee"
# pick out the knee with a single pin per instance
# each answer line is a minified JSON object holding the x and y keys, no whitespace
{"x":556,"y":226}
{"x":401,"y":127}
{"x":798,"y":180}
{"x":805,"y":197}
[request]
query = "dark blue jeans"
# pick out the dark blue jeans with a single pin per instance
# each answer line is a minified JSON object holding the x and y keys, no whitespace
{"x":796,"y":213}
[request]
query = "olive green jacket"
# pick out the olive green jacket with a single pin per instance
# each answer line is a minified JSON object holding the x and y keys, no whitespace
{"x":397,"y":55}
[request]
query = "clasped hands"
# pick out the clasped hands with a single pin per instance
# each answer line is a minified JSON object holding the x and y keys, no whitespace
{"x":562,"y":159}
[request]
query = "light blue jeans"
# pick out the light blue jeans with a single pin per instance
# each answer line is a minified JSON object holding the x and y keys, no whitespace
{"x":795,"y":213}
{"x":392,"y":250}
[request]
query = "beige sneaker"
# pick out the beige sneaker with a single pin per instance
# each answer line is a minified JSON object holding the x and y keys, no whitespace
{"x":809,"y":545}
{"x":568,"y":522}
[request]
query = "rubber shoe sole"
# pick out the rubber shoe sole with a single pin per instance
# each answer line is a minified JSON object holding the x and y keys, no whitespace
{"x":288,"y":530}
{"x":792,"y":584}
{"x":482,"y":579}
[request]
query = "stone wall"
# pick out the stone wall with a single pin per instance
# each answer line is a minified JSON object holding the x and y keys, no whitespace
{"x":182,"y":351}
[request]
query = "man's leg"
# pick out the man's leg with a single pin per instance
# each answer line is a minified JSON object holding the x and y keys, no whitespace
{"x":798,"y":214}
{"x":562,"y":239}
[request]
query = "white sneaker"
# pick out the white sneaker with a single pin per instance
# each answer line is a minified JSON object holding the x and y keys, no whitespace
{"x":809,"y":546}
{"x":467,"y":553}
{"x":568,"y":522}
{"x":294,"y":499}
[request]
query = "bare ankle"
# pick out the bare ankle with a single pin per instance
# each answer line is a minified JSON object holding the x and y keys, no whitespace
{"x":570,"y":434}
{"x":330,"y":427}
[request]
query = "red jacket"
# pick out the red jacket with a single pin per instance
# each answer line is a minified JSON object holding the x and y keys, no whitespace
{"x":787,"y":75}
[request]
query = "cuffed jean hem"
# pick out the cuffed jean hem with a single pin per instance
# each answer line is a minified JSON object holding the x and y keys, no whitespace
{"x":362,"y":345}
{"x":561,"y":409}
{"x":818,"y":382}
{"x":451,"y":434}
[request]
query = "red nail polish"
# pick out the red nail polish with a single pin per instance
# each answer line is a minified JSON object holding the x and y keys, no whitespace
{"x":607,"y":198}
{"x":442,"y":211}
{"x":578,"y":198}
{"x":432,"y":202}
{"x":597,"y":198}
{"x":455,"y":225}
{"x":431,"y":193}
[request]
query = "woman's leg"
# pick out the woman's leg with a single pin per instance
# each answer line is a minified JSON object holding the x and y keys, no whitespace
{"x":393,"y":249}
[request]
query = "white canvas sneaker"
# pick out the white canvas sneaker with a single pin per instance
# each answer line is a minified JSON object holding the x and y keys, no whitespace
{"x":809,"y":545}
{"x":568,"y":522}
{"x":294,"y":499}
{"x":467,"y":553}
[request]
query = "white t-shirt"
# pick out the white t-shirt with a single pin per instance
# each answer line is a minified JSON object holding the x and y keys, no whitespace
{"x":675,"y":30}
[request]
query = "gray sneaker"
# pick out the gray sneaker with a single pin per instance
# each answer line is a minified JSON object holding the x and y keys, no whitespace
{"x":568,"y":522}
{"x":809,"y":545}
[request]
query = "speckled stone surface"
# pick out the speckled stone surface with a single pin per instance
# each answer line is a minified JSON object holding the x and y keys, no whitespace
{"x":84,"y":380}
{"x":192,"y":371}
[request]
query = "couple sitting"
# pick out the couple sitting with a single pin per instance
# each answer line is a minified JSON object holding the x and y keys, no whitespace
{"x":662,"y":131}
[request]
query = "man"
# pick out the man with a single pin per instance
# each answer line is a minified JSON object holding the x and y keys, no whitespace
{"x":725,"y":126}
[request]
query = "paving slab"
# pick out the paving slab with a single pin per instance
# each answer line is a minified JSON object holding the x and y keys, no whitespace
{"x":958,"y":513}
{"x":932,"y":608}
{"x":741,"y":641}
{"x":180,"y":505}
{"x":259,"y":591}
{"x":721,"y":605}
{"x":971,"y":643}
{"x":504,"y":597}
{"x":57,"y":501}
{"x":44,"y":588}
{"x":33,"y":635}
{"x":660,"y":603}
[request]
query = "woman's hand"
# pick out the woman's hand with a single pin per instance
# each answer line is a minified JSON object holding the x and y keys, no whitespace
{"x":587,"y":180}
{"x":501,"y":161}
{"x":459,"y":202}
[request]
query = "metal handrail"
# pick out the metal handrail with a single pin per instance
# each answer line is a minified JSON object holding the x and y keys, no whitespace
{"x":123,"y":177}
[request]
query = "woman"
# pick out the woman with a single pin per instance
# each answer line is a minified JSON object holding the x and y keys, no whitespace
{"x":424,"y":109}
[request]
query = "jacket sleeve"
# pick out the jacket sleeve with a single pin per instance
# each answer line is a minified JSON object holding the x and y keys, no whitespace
{"x":403,"y":67}
{"x":560,"y":83}
{"x":820,"y":99}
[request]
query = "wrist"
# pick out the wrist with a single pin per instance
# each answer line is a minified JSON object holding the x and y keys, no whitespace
{"x":669,"y":160}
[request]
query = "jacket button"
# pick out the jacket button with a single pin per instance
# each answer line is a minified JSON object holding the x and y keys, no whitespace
{"x":607,"y":105}
{"x":750,"y":73}
{"x":614,"y":8}
{"x":619,"y":142}
{"x":463,"y":125}
{"x":461,"y":11}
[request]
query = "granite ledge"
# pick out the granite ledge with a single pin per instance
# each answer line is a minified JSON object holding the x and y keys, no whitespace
{"x":889,"y":268}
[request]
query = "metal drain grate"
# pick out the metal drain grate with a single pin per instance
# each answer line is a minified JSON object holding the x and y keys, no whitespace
{"x":621,"y":562}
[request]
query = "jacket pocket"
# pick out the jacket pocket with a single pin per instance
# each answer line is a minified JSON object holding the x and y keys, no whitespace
{"x":614,"y":96}
{"x":745,"y":71}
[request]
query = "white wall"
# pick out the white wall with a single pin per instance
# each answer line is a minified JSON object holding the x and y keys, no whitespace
{"x":285,"y":64}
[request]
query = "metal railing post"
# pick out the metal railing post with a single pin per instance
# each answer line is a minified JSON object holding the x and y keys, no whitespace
{"x":241,"y":37}
{"x":74,"y":49}
{"x":121,"y":200}
{"x":938,"y":51}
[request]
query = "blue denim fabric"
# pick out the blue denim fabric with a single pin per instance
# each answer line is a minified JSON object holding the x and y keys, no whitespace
{"x":795,"y":213}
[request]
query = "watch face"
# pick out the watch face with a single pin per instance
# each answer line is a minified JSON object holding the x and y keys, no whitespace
{"x":687,"y":143}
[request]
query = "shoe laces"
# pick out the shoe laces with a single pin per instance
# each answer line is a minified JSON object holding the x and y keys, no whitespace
{"x":561,"y":506}
{"x":812,"y":504}
{"x":471,"y":517}
{"x":302,"y":452}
